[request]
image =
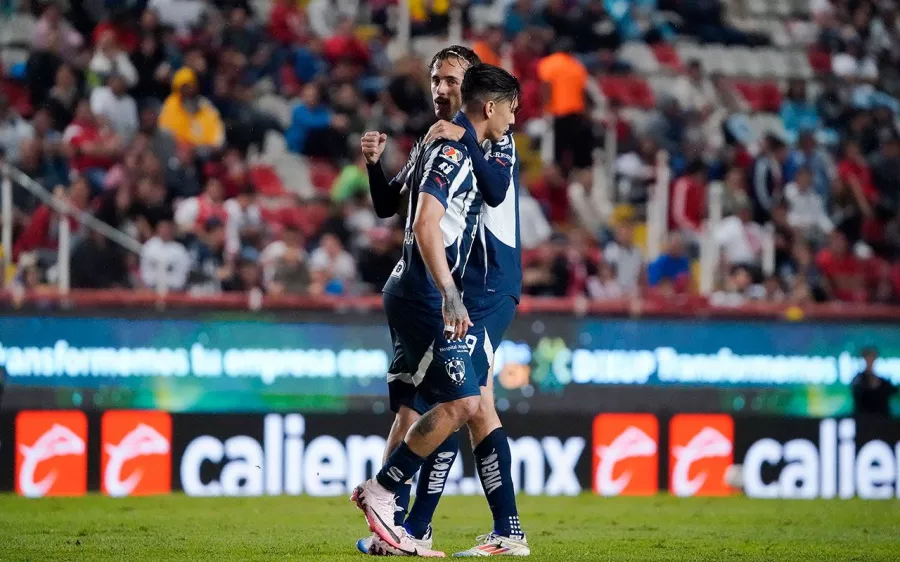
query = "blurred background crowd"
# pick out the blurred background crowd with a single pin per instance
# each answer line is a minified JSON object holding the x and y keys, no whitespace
{"x":224,"y":136}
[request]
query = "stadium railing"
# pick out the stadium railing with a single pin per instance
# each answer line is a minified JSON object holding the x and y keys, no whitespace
{"x":650,"y":306}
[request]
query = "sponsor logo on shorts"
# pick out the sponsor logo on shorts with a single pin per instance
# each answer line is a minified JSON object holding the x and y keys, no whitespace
{"x":51,"y":453}
{"x":136,"y":453}
{"x":456,"y":369}
{"x":700,"y":451}
{"x":626,"y":454}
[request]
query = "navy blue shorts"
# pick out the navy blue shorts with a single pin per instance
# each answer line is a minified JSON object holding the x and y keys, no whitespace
{"x":437,"y":369}
{"x":490,"y":323}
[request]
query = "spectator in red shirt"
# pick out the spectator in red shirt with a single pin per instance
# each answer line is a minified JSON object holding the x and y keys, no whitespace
{"x":192,"y":214}
{"x":855,"y":172}
{"x":42,"y":232}
{"x":551,"y":192}
{"x":689,"y":201}
{"x":91,"y":146}
{"x":343,"y":46}
{"x":844,"y":274}
{"x":287,"y":23}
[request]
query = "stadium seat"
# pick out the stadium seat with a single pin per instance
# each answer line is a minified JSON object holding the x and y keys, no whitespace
{"x":322,"y":175}
{"x":751,"y":93}
{"x":802,"y":32}
{"x":18,"y":97}
{"x":266,"y":181}
{"x":638,"y":118}
{"x":798,"y":63}
{"x":667,"y":56}
{"x":771,"y":97}
{"x":294,"y":173}
{"x":17,"y":31}
{"x":277,"y":107}
{"x":820,"y":61}
{"x":764,"y":123}
{"x":630,"y":91}
{"x":639,"y":56}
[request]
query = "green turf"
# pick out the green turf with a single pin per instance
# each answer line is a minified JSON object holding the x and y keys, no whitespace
{"x":583,"y":528}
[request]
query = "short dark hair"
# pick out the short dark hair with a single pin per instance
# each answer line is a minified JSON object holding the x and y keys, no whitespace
{"x":457,"y":52}
{"x":485,"y":82}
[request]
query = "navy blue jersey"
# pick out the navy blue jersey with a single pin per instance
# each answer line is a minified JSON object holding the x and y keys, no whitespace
{"x":496,"y":264}
{"x":444,"y":170}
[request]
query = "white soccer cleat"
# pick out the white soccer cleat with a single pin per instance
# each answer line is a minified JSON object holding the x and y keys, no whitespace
{"x":378,"y":505}
{"x":374,"y":546}
{"x":495,"y":545}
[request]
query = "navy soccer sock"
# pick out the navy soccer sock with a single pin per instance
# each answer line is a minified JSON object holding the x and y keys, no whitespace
{"x":399,"y":468}
{"x":401,"y":497}
{"x":432,"y":478}
{"x":493,"y":461}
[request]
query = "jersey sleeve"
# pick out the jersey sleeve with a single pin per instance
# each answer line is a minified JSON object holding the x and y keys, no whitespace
{"x":443,"y":164}
{"x":400,"y":179}
{"x":494,"y":172}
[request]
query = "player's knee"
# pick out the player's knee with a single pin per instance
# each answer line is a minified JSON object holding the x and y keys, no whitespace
{"x":464,"y":409}
{"x":405,"y":418}
{"x":487,"y":412}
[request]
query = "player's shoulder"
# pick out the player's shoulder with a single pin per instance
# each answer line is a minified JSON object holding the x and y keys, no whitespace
{"x":448,"y":150}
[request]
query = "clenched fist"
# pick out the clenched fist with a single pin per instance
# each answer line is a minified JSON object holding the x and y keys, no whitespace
{"x":372,"y":144}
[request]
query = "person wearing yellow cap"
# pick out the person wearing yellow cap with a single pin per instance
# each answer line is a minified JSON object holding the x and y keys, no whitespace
{"x":191,"y":118}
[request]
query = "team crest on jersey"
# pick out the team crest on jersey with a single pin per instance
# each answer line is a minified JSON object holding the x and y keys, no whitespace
{"x":456,"y":369}
{"x":452,"y":154}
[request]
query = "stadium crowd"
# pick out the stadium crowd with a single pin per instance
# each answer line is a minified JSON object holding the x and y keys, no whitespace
{"x":150,"y":115}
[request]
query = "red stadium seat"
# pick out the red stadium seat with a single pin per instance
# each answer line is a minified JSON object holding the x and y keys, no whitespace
{"x":630,"y":91}
{"x":18,"y":97}
{"x":639,"y":93}
{"x":820,"y":61}
{"x":771,"y":96}
{"x":666,"y":55}
{"x":613,"y":88}
{"x":751,"y":93}
{"x":267,"y":181}
{"x":322,"y":175}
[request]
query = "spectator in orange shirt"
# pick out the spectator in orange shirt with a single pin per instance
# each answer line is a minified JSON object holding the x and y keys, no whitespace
{"x":564,"y":80}
{"x":488,"y":47}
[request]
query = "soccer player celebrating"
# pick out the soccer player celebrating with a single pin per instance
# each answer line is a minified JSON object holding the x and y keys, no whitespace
{"x":443,"y":220}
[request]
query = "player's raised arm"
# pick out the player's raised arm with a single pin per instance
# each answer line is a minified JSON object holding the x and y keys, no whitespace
{"x":385,"y":194}
{"x":493,"y":173}
{"x":439,"y":176}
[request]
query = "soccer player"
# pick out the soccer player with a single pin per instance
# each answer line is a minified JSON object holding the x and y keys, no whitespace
{"x":443,"y":220}
{"x":497,"y":288}
{"x":447,"y":68}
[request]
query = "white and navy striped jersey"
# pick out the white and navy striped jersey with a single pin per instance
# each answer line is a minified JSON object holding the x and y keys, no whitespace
{"x":496,"y":264}
{"x":444,"y":170}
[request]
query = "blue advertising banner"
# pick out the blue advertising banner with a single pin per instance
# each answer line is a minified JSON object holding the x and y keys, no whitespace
{"x":338,"y":362}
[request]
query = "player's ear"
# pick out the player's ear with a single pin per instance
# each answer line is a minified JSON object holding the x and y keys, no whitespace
{"x":489,"y":109}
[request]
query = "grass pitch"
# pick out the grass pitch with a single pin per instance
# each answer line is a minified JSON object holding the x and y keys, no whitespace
{"x":175,"y":527}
